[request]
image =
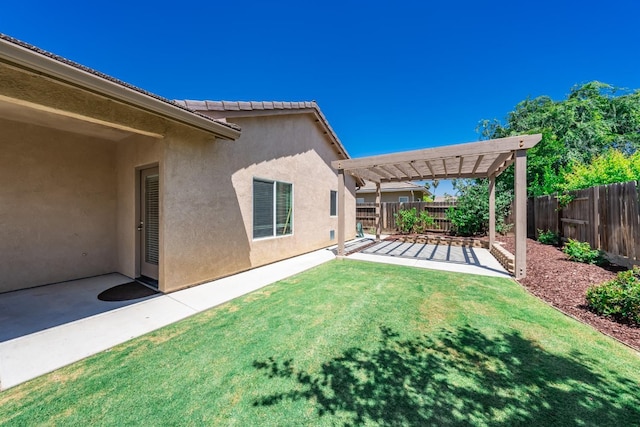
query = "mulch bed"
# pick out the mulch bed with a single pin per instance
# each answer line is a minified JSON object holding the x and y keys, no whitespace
{"x":563,"y":284}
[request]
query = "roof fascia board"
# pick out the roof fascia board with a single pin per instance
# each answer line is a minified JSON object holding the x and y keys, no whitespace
{"x":66,"y":73}
{"x":45,"y":109}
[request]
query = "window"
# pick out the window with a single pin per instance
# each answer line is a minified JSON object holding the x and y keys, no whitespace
{"x":403,"y":199}
{"x":333,"y":202}
{"x":272,"y":208}
{"x":359,"y":199}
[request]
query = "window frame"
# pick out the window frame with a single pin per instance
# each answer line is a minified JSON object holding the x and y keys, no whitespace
{"x":274,"y":206}
{"x":403,"y":197}
{"x":333,"y":206}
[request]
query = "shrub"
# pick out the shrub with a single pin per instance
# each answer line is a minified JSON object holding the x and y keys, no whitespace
{"x":409,"y":221}
{"x":424,"y":221}
{"x":548,"y":237}
{"x":406,"y":219}
{"x":470,"y":216}
{"x":618,"y":298}
{"x":582,"y":252}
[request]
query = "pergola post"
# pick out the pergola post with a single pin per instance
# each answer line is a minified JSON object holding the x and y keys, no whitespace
{"x":483,"y":159}
{"x":520,"y":188}
{"x":492,"y":210}
{"x":341,"y":211}
{"x":378,"y":212}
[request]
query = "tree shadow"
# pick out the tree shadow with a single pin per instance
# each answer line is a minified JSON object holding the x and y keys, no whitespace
{"x":460,"y":378}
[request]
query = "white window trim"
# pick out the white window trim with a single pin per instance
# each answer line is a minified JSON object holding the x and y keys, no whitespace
{"x":403,"y":197}
{"x":275,"y":219}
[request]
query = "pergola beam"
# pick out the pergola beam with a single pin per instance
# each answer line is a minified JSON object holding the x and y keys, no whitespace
{"x":500,"y":145}
{"x":393,"y":168}
{"x":478,"y":161}
{"x":367,"y":174}
{"x":381,"y":172}
{"x":428,"y":163}
{"x":416,"y":169}
{"x":403,"y":170}
{"x":412,"y":177}
{"x":498,"y":162}
{"x":390,"y":172}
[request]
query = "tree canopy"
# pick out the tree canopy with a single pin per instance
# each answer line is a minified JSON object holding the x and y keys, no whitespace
{"x":594,"y":119}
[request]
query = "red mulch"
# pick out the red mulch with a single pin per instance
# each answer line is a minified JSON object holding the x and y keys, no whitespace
{"x":563,"y":284}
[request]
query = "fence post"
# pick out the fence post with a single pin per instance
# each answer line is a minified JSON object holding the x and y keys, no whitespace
{"x":559,"y":219}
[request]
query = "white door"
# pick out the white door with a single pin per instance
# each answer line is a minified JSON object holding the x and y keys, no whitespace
{"x":149,"y":225}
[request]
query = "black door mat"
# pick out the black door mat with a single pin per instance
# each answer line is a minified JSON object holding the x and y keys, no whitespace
{"x":126,"y":292}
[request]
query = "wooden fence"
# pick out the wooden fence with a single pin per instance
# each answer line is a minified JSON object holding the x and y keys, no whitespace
{"x":607,"y":217}
{"x":366,"y":214}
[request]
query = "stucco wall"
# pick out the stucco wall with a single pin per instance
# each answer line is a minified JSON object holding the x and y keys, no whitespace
{"x":208,"y":207}
{"x":133,"y":154}
{"x":202,"y":234}
{"x":298,"y":153}
{"x":390,"y":197}
{"x":57,"y":206}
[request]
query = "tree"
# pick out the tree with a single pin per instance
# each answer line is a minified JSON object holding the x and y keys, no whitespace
{"x":612,"y":166}
{"x":595,"y":118}
{"x":470,"y":215}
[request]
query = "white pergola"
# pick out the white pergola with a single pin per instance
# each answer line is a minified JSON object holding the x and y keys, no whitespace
{"x":485,"y":159}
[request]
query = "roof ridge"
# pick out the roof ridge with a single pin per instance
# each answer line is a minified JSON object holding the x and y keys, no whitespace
{"x":225,"y":105}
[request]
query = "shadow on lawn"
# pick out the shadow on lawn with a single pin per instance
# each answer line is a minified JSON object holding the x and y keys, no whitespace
{"x":459,"y":377}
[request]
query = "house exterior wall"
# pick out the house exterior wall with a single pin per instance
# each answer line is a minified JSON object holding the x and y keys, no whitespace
{"x":390,"y":196}
{"x":132,"y":155}
{"x":69,"y":199}
{"x":57,"y":206}
{"x":208,"y":192}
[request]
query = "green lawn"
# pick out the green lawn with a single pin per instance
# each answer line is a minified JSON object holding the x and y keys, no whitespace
{"x":352,"y":343}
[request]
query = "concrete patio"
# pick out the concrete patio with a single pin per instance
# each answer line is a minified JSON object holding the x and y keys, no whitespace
{"x":445,"y":257}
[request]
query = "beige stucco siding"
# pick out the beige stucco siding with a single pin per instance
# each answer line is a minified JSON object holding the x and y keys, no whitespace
{"x":57,"y":206}
{"x":203,"y":235}
{"x":70,"y":163}
{"x":133,"y":154}
{"x":208,"y":192}
{"x":299,"y":154}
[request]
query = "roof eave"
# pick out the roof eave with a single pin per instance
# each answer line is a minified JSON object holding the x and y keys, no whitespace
{"x":31,"y":60}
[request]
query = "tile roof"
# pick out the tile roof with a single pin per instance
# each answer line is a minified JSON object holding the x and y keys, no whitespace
{"x":96,"y":73}
{"x":255,"y":106}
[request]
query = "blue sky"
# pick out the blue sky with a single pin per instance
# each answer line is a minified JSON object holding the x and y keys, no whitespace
{"x":389,"y":76}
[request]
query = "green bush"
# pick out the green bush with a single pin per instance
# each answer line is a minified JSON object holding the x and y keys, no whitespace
{"x":406,"y":219}
{"x":409,"y":221}
{"x":548,"y":237}
{"x":582,"y":252}
{"x":470,"y":216}
{"x":424,"y":222}
{"x":618,"y":298}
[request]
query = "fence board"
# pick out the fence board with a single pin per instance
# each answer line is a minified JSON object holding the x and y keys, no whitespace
{"x":365,"y":214}
{"x":607,"y":217}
